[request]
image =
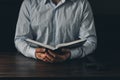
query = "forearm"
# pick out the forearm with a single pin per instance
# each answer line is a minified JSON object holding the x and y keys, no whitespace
{"x":23,"y":47}
{"x":84,"y":50}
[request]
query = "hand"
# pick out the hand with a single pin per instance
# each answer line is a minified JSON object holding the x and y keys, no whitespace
{"x":51,"y":56}
{"x":41,"y":54}
{"x":59,"y":57}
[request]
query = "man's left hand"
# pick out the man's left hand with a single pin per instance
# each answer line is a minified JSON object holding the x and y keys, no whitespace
{"x":55,"y":57}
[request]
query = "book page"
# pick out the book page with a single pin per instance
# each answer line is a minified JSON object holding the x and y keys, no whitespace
{"x":40,"y":44}
{"x":70,"y":43}
{"x":57,"y":46}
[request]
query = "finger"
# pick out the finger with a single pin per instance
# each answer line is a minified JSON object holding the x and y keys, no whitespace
{"x":46,"y":60}
{"x":39,"y":56}
{"x":57,"y":58}
{"x":51,"y":58}
{"x":51,"y":53}
{"x":43,"y":57}
{"x":40,"y":50}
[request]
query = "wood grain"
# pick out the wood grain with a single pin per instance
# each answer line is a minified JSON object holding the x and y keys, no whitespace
{"x":16,"y":65}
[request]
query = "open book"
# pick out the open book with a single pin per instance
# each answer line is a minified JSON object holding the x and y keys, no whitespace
{"x":72,"y":44}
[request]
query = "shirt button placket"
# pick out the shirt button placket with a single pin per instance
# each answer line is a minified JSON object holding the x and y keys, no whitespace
{"x":54,"y":26}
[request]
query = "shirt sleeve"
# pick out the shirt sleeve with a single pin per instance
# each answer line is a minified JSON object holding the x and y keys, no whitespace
{"x":23,"y":31}
{"x":87,"y":30}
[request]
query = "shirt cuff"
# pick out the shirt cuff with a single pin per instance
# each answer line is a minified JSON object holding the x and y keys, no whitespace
{"x":76,"y":53}
{"x":31,"y":52}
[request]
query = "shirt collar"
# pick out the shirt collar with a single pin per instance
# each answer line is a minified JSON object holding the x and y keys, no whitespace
{"x":46,"y":1}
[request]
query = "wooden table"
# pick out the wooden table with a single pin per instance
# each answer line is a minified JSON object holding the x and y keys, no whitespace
{"x":16,"y":65}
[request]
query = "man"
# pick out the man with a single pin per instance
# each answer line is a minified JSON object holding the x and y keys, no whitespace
{"x":53,"y":22}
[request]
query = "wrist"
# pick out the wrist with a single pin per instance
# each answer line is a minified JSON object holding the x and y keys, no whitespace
{"x":36,"y":55}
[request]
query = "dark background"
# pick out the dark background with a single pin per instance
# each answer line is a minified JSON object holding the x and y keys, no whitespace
{"x":106,"y":14}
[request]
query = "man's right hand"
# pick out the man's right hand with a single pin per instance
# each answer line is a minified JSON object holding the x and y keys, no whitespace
{"x":41,"y":54}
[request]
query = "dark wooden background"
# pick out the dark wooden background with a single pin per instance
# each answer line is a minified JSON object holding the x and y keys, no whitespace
{"x":106,"y":14}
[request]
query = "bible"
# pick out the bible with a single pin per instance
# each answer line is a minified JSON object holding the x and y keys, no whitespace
{"x":73,"y":44}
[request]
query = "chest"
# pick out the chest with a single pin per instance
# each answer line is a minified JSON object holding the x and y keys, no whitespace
{"x":64,"y":15}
